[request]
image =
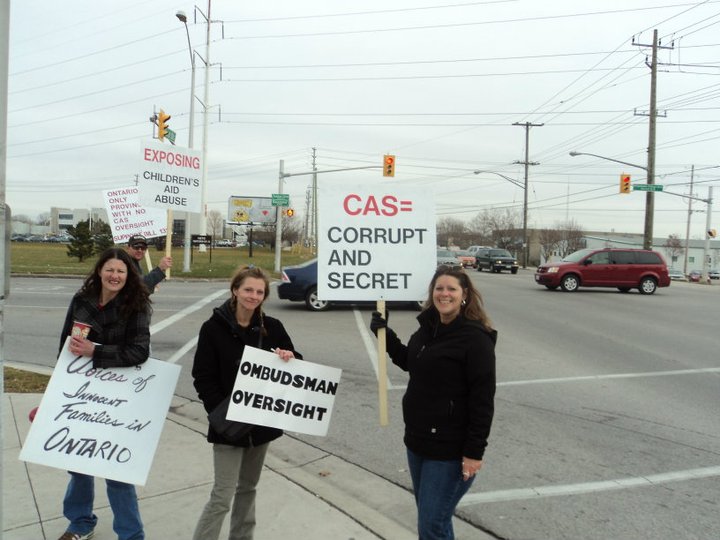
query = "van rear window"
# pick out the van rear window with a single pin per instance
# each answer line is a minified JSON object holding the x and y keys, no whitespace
{"x":648,"y":257}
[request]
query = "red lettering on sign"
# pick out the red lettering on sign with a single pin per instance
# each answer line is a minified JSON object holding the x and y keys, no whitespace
{"x":387,"y":206}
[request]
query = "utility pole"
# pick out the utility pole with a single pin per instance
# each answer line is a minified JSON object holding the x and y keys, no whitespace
{"x":708,"y":226}
{"x":314,"y":203}
{"x":527,"y":163}
{"x":652,"y":120}
{"x":687,"y":227}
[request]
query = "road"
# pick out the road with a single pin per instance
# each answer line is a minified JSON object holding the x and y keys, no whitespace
{"x":608,"y":416}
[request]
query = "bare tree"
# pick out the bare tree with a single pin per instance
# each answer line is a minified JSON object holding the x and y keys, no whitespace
{"x":451,"y":230}
{"x":43,"y":219}
{"x":564,"y":238}
{"x":216,"y":223}
{"x":503,"y":226}
{"x":674,"y":248}
{"x":22,"y":218}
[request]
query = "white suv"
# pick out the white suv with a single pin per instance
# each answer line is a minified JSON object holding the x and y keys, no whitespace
{"x":474,"y":249}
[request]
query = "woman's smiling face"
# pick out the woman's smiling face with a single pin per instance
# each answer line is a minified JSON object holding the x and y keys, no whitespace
{"x":448,"y":295}
{"x":113,"y":276}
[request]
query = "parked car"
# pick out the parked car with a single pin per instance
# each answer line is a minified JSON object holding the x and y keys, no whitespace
{"x":714,"y":274}
{"x":225,"y":242}
{"x":694,"y":276}
{"x":496,"y":260}
{"x":676,"y":275}
{"x":447,"y":257}
{"x":466,"y":258}
{"x":299,"y":284}
{"x":622,"y":268}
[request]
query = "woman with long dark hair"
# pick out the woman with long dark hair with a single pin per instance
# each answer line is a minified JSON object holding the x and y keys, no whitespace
{"x":114,"y":303}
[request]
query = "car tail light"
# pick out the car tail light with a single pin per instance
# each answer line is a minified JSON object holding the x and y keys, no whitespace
{"x":284,"y":277}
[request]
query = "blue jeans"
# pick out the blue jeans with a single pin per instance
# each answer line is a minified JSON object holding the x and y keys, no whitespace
{"x":438,"y":487}
{"x":78,"y":507}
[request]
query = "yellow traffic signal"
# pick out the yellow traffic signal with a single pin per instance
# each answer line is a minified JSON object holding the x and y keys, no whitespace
{"x":162,"y":123}
{"x":389,"y":165}
{"x":625,"y":186}
{"x":289,"y":212}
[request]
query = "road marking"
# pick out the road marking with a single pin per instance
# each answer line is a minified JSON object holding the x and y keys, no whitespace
{"x":179,"y":315}
{"x":370,"y":347}
{"x":588,"y":487}
{"x":182,"y":350}
{"x":601,"y":377}
{"x":612,"y":376}
{"x":155,"y":328}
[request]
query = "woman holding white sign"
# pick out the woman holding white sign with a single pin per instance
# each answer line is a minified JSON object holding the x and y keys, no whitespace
{"x":449,"y":403}
{"x":240,"y":321}
{"x":109,"y":321}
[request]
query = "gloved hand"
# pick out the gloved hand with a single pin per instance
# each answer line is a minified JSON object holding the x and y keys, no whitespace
{"x":378,"y":321}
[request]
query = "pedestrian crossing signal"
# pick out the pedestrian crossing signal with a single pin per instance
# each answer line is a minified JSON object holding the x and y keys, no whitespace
{"x":389,"y":165}
{"x":625,"y":186}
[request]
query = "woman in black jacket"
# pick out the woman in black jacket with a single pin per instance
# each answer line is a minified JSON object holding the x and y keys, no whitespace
{"x":238,"y":322}
{"x":449,"y":403}
{"x":114,"y":303}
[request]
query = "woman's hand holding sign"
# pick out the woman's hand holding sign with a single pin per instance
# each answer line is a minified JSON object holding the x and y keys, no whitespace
{"x":284,"y":354}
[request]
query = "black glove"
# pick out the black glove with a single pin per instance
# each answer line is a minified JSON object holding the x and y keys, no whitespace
{"x":378,"y":321}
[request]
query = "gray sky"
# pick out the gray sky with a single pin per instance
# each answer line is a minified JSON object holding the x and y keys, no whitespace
{"x":439,"y":84}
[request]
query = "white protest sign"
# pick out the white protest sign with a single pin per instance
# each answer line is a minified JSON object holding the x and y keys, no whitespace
{"x":101,"y":422}
{"x":170,"y":177}
{"x":375,"y":242}
{"x":295,"y":395}
{"x":128,"y":216}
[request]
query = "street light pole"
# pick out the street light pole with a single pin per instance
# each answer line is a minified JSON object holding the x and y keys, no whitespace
{"x":191,"y":129}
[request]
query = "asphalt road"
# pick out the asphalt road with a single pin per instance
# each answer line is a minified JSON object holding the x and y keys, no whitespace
{"x":608,"y":416}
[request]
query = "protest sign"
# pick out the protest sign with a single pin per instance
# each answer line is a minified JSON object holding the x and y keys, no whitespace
{"x":102,"y":422}
{"x":128,"y":217}
{"x":295,"y":395}
{"x":375,"y":242}
{"x":170,"y":177}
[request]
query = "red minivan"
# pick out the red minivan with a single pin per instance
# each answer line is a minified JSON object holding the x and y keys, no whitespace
{"x":610,"y":267}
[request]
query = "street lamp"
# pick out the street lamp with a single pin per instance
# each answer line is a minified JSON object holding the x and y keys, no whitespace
{"x":183,"y":19}
{"x":649,"y":196}
{"x":526,"y":244}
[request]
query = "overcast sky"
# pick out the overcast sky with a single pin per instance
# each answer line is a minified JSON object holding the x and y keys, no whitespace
{"x":438,"y":84}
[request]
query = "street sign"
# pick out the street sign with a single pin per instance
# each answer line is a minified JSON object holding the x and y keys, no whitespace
{"x":647,"y":187}
{"x":200,"y":239}
{"x":170,"y":135}
{"x":280,"y":199}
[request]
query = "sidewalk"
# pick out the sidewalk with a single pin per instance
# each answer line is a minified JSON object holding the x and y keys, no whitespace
{"x":303,"y":492}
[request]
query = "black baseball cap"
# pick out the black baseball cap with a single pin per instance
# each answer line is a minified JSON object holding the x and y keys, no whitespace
{"x":137,"y":240}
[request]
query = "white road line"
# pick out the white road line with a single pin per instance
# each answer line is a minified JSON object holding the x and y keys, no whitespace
{"x":155,"y":328}
{"x":587,"y":487}
{"x":612,"y":376}
{"x":182,"y":350}
{"x":370,"y":346}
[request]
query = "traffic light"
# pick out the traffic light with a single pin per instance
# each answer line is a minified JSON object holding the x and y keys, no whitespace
{"x":162,"y":123}
{"x":289,"y":212}
{"x":389,"y":165}
{"x":712,"y":233}
{"x":625,"y":186}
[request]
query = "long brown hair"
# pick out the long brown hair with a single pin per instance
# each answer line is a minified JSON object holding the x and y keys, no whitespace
{"x":472,"y":308}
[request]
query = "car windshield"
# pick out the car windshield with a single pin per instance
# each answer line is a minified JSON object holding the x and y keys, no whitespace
{"x":578,"y":255}
{"x":445,"y":253}
{"x":463,"y":253}
{"x":499,"y":253}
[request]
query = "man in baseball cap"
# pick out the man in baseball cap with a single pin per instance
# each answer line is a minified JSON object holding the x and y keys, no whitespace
{"x":137,"y":247}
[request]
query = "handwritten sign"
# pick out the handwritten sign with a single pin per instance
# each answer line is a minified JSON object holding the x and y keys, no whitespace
{"x":101,"y":422}
{"x":295,"y":395}
{"x":128,"y":216}
{"x":170,"y":177}
{"x":375,"y":242}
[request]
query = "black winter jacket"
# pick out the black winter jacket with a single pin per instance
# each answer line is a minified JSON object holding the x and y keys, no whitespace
{"x":152,"y":279}
{"x":217,"y":359}
{"x":121,"y":342}
{"x":449,"y":403}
